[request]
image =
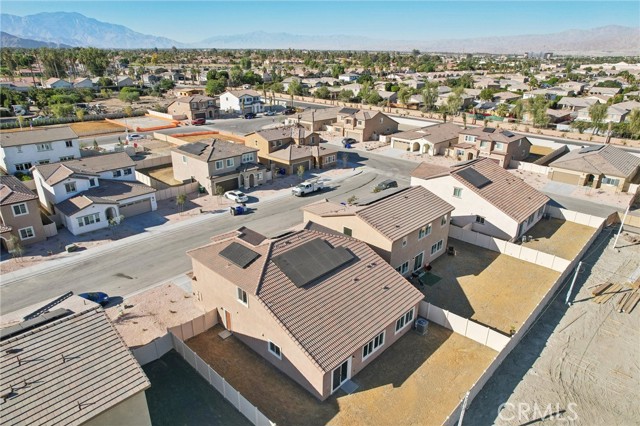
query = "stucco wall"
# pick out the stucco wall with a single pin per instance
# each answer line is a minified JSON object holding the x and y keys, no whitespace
{"x":29,"y":153}
{"x":24,"y":221}
{"x":131,"y":412}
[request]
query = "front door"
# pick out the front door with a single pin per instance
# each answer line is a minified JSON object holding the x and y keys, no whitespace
{"x":339,"y":376}
{"x":227,"y":320}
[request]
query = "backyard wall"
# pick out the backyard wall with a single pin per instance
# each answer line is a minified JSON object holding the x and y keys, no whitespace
{"x":148,"y":163}
{"x":529,"y":167}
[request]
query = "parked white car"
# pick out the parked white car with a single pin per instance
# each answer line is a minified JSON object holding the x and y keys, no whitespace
{"x":134,"y":137}
{"x":237,"y":196}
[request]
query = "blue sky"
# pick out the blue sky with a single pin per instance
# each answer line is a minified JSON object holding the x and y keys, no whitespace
{"x":191,"y":21}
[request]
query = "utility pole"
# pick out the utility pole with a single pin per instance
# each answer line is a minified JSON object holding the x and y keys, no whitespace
{"x":566,"y":301}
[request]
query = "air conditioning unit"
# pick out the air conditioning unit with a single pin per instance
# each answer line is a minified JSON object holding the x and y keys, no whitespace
{"x":422,"y":326}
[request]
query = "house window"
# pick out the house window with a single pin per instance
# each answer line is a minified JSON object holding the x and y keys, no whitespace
{"x":372,"y":346}
{"x":531,"y":218}
{"x":68,"y":144}
{"x":20,"y":209}
{"x":127,"y":171}
{"x":540,"y":211}
{"x":93,"y":182}
{"x":404,"y":320}
{"x":44,"y":162}
{"x":229,"y":162}
{"x":219,"y":164}
{"x":610,"y":181}
{"x":480,"y":220}
{"x":312,"y":140}
{"x":417,"y":261}
{"x":247,"y":158}
{"x":404,"y":268}
{"x":499,"y":146}
{"x":259,"y":176}
{"x":184,"y":159}
{"x":484,"y":144}
{"x":242,"y":297}
{"x":26,"y":233}
{"x":457,"y":192}
{"x":279,"y":143}
{"x":360,"y":123}
{"x":43,"y":147}
{"x":66,"y":158}
{"x":330,"y":159}
{"x":89,"y":219}
{"x":436,"y":247}
{"x":22,"y":167}
{"x":443,"y":221}
{"x":347,"y":231}
{"x":469,"y":138}
{"x":117,"y":173}
{"x":275,"y":349}
{"x":70,"y":187}
{"x":424,"y":231}
{"x":404,"y":242}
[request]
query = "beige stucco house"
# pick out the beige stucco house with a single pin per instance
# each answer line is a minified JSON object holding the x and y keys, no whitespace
{"x":407,"y":244}
{"x":220,"y":163}
{"x":432,"y":140}
{"x":363,"y":125}
{"x":191,"y":107}
{"x":599,"y":166}
{"x":497,"y":144}
{"x":319,"y":306}
{"x":19,"y":213}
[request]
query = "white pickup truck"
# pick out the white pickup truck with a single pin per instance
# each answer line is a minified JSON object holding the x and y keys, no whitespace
{"x":307,"y":188}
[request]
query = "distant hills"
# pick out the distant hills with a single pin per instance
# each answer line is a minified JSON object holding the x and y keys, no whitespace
{"x":74,"y":29}
{"x":8,"y":40}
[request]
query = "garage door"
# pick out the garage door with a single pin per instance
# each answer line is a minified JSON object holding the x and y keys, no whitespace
{"x":228,"y":184}
{"x":304,"y":164}
{"x":200,"y":115}
{"x":356,"y":135}
{"x":569,"y":178}
{"x":135,"y":208}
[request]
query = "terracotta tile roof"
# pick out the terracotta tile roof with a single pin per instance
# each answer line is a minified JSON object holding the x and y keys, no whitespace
{"x":434,"y":134}
{"x":508,"y":193}
{"x":607,"y":160}
{"x":326,"y":208}
{"x":109,"y":192}
{"x":320,"y":114}
{"x":38,"y":135}
{"x":91,"y":166}
{"x":194,"y":98}
{"x":427,"y":171}
{"x":285,"y":132}
{"x":216,"y":149}
{"x":294,"y":152}
{"x":492,"y":134}
{"x":13,"y":191}
{"x":245,"y":92}
{"x":67,"y":371}
{"x":80,"y":202}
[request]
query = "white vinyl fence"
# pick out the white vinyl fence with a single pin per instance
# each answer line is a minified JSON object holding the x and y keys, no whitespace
{"x":529,"y":167}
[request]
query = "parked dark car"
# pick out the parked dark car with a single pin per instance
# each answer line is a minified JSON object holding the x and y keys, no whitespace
{"x":198,"y":121}
{"x":97,"y":297}
{"x":250,"y":115}
{"x":289,"y":111}
{"x":348,"y":141}
{"x":385,"y":184}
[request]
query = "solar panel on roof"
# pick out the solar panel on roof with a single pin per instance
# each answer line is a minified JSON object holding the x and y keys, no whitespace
{"x":488,"y":130}
{"x":508,"y":133}
{"x":239,"y":255}
{"x":31,"y":324}
{"x":349,"y":111}
{"x":474,"y":177}
{"x":590,"y":149}
{"x":311,"y":260}
{"x":194,"y":148}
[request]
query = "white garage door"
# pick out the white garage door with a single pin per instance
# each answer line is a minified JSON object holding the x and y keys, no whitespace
{"x":135,"y":208}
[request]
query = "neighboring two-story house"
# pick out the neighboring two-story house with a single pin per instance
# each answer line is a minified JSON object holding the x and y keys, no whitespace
{"x":192,"y":107}
{"x":19,"y":213}
{"x":219,"y":163}
{"x":432,"y":140}
{"x":363,"y":125}
{"x":241,"y":101}
{"x":85,"y":195}
{"x":21,"y":150}
{"x":406,"y":242}
{"x":497,"y":144}
{"x":318,"y":306}
{"x":289,"y":147}
{"x":487,"y":198}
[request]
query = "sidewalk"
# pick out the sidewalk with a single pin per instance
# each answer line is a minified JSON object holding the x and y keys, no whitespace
{"x":203,"y":209}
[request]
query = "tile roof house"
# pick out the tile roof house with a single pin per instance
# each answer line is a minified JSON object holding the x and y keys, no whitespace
{"x":432,"y":140}
{"x":241,"y":101}
{"x":317,"y":305}
{"x":192,"y":107}
{"x":363,"y":125}
{"x":406,"y":242}
{"x":609,"y":92}
{"x":69,"y":366}
{"x":315,"y":119}
{"x":498,"y":144}
{"x":220,"y":163}
{"x":576,"y":104}
{"x":56,"y":83}
{"x":487,"y":198}
{"x":19,"y":213}
{"x":82,"y":83}
{"x":597,"y":166}
{"x":88,"y":193}
{"x":23,"y":149}
{"x":289,"y":147}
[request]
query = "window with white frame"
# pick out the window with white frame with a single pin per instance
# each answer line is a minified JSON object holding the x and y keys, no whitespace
{"x":404,"y":268}
{"x":242,"y":297}
{"x":436,"y":247}
{"x":68,"y":144}
{"x":443,"y":220}
{"x":360,"y":123}
{"x":20,"y":209}
{"x":484,"y":144}
{"x":275,"y":349}
{"x":93,"y":182}
{"x":44,"y":147}
{"x":469,"y":138}
{"x":480,"y":220}
{"x":219,"y":164}
{"x":610,"y":181}
{"x":247,"y":158}
{"x":22,"y":167}
{"x":127,"y":171}
{"x":229,"y":162}
{"x":424,"y":231}
{"x":89,"y":219}
{"x":26,"y":233}
{"x":259,"y":176}
{"x":499,"y":146}
{"x":404,"y":320}
{"x":44,"y":161}
{"x":372,"y":346}
{"x":66,"y":158}
{"x":117,"y":173}
{"x":70,"y":187}
{"x":457,"y":192}
{"x":330,"y":159}
{"x":417,"y":261}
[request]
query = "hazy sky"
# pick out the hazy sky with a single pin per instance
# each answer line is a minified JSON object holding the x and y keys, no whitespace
{"x":191,"y":21}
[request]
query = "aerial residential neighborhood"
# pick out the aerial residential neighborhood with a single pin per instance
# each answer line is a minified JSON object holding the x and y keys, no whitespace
{"x":228,"y":215}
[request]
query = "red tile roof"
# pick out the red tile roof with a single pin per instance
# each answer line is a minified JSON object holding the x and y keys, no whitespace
{"x":13,"y":191}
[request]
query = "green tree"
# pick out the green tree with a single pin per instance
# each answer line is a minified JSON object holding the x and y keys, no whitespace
{"x":336,"y":70}
{"x":486,"y":94}
{"x":537,"y":107}
{"x":429,"y":96}
{"x":181,"y":199}
{"x":95,"y":60}
{"x":105,"y":82}
{"x":166,"y":84}
{"x":129,"y":94}
{"x":597,"y":114}
{"x":215,"y":87}
{"x":374,"y":98}
{"x":323,"y":93}
{"x":80,"y":114}
{"x":345,"y":95}
{"x":295,"y":88}
{"x":300,"y":172}
{"x":502,"y":110}
{"x":235,"y":76}
{"x":245,"y":63}
{"x":518,"y":110}
{"x":61,"y":110}
{"x":454,"y":102}
{"x":634,"y":123}
{"x":403,"y":95}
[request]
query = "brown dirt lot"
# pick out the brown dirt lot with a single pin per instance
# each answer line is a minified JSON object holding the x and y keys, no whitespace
{"x":163,"y":174}
{"x":491,"y":288}
{"x":95,"y":127}
{"x":417,"y":381}
{"x":558,"y":237}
